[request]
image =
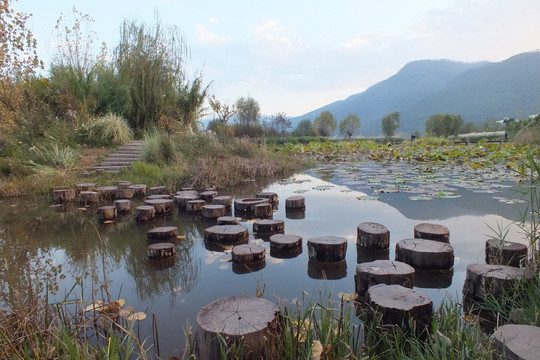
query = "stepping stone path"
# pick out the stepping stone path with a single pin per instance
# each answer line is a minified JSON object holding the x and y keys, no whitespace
{"x":425,"y":254}
{"x":122,"y":158}
{"x":382,"y":272}
{"x":434,"y":232}
{"x":518,"y":341}
{"x":482,"y":280}
{"x":505,"y":253}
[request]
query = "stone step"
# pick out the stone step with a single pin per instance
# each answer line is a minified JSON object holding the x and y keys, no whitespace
{"x":121,"y":157}
{"x":111,"y":167}
{"x":116,"y":163}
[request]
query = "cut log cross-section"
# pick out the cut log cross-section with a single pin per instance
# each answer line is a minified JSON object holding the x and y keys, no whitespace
{"x":505,"y":252}
{"x":227,"y":234}
{"x":145,"y":212}
{"x":382,"y":272}
{"x":327,"y":249}
{"x":432,"y":232}
{"x":425,"y":254}
{"x":371,"y":235}
{"x":213,"y":211}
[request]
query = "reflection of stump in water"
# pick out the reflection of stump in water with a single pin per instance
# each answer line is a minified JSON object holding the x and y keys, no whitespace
{"x":505,"y":252}
{"x":248,"y":268}
{"x":123,"y":205}
{"x":227,"y":220}
{"x":434,"y":232}
{"x":145,"y":213}
{"x":518,"y":341}
{"x":372,"y":236}
{"x":139,"y":190}
{"x":433,"y":279}
{"x":327,"y":249}
{"x":425,"y":254}
{"x":107,"y":213}
{"x":223,"y":200}
{"x":382,"y":272}
{"x":327,"y":271}
{"x":247,"y":322}
{"x":295,"y":214}
{"x":364,"y":255}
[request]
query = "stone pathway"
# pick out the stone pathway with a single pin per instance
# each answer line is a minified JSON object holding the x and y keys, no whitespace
{"x":122,"y":158}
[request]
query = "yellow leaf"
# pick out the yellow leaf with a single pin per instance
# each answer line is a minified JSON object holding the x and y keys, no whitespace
{"x":347,"y":297}
{"x":108,"y":222}
{"x":95,"y":306}
{"x":181,"y":237}
{"x":137,"y":316}
{"x":316,"y":350}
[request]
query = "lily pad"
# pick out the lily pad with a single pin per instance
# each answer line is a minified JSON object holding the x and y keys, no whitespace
{"x":420,"y":198}
{"x":369,"y":198}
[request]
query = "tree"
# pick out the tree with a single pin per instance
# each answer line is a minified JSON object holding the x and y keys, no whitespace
{"x":325,"y":124}
{"x":444,"y":125}
{"x":390,"y":123}
{"x":304,"y":128}
{"x":350,"y":125}
{"x":223,"y":110}
{"x":190,"y":101}
{"x":279,"y":123}
{"x":248,"y":111}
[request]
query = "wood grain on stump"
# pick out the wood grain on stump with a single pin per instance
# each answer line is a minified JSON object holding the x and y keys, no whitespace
{"x":434,"y":232}
{"x":243,"y":321}
{"x":518,"y":342}
{"x":123,"y":205}
{"x":107,"y":213}
{"x":145,"y":212}
{"x":268,"y":226}
{"x":263,"y":211}
{"x":482,"y":280}
{"x":213,"y":211}
{"x":61,"y":196}
{"x":327,"y":271}
{"x":88,"y":197}
{"x":227,"y":220}
{"x":271,"y":196}
{"x":158,"y":190}
{"x":162,"y":233}
{"x":246,"y":204}
{"x":327,"y":248}
{"x":282,"y":242}
{"x":125,"y":193}
{"x":139,"y":190}
{"x":248,"y":253}
{"x":399,"y":305}
{"x":425,"y":254}
{"x":107,"y":192}
{"x":162,"y":206}
{"x":181,"y":200}
{"x":85,"y":187}
{"x":223,"y":200}
{"x":505,"y":252}
{"x":194,"y":205}
{"x":372,"y":236}
{"x":382,"y":272}
{"x":161,"y":250}
{"x":208,"y":195}
{"x":227,"y":234}
{"x":295,"y":202}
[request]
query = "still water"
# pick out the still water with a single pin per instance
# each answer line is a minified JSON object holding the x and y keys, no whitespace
{"x":62,"y":247}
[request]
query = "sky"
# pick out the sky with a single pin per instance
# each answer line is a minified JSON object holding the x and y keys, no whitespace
{"x":298,"y":55}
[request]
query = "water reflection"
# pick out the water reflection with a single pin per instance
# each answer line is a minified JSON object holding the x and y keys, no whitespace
{"x":368,"y":255}
{"x":327,"y":271}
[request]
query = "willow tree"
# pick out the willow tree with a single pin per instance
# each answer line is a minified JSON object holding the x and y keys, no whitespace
{"x":325,"y":124}
{"x":190,"y":101}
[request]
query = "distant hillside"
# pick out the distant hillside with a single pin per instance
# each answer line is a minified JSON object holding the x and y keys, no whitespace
{"x":476,"y":91}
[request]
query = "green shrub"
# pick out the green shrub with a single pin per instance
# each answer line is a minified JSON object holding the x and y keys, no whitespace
{"x":53,"y":156}
{"x":160,"y":148}
{"x":108,"y":130}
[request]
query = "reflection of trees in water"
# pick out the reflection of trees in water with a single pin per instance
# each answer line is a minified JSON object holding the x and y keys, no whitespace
{"x":325,"y":173}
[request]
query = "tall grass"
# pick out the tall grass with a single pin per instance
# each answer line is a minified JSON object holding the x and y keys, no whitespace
{"x":107,"y":130}
{"x":54,"y":156}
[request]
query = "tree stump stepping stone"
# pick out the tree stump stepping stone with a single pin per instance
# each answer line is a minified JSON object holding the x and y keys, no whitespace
{"x":364,"y":255}
{"x":227,"y":220}
{"x":271,"y":196}
{"x":246,"y":204}
{"x":285,"y":242}
{"x":194,"y":205}
{"x":158,"y":196}
{"x":187,"y":192}
{"x":61,"y":196}
{"x":123,"y":184}
{"x":372,"y":236}
{"x":227,"y":234}
{"x":88,"y":197}
{"x":223,"y":200}
{"x":399,"y":305}
{"x":85,"y":187}
{"x":107,"y":192}
{"x":248,"y":253}
{"x":162,"y":233}
{"x":295,"y":214}
{"x":187,"y":188}
{"x":124,"y":193}
{"x":326,"y":249}
{"x":505,"y":252}
{"x":295,"y":202}
{"x":382,"y":272}
{"x":160,"y":251}
{"x":518,"y":342}
{"x":263,"y":211}
{"x":434,"y":232}
{"x":145,"y":212}
{"x":486,"y":279}
{"x":213,"y":211}
{"x":162,"y":206}
{"x":327,"y":271}
{"x":268,"y":226}
{"x":208,"y":195}
{"x":123,"y":205}
{"x":246,"y":321}
{"x":139,"y":190}
{"x":158,"y":190}
{"x":107,"y":213}
{"x":181,"y":200}
{"x":425,"y":254}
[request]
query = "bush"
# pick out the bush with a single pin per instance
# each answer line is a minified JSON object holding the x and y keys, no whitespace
{"x":160,"y":148}
{"x":53,"y":156}
{"x":108,"y":130}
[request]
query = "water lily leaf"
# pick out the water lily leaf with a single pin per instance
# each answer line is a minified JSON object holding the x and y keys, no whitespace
{"x":300,"y":191}
{"x":137,"y":316}
{"x":420,"y":198}
{"x":322,"y":187}
{"x":369,"y":198}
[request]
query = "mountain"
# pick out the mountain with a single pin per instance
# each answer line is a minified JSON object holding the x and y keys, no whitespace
{"x":477,"y":91}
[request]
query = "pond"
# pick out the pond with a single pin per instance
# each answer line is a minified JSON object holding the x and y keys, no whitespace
{"x":64,"y":247}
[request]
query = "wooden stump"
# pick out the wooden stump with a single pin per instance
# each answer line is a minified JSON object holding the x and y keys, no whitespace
{"x":227,"y":234}
{"x":227,"y":220}
{"x":248,"y":253}
{"x":208,"y":195}
{"x":246,"y":204}
{"x":327,"y":271}
{"x":123,"y":184}
{"x":382,"y":272}
{"x":162,"y":206}
{"x":282,"y":242}
{"x":159,"y":197}
{"x":482,"y":280}
{"x":123,"y":205}
{"x":432,"y":232}
{"x":213,"y":211}
{"x":85,"y":187}
{"x":88,"y":198}
{"x":327,"y":248}
{"x":125,"y":193}
{"x":263,"y":211}
{"x":364,"y":255}
{"x":295,"y":214}
{"x":399,"y":305}
{"x":268,"y":226}
{"x":61,"y":196}
{"x":425,"y":254}
{"x":194,"y":205}
{"x":188,"y":188}
{"x":139,"y":190}
{"x":160,"y":250}
{"x":107,"y":213}
{"x":247,"y":322}
{"x":107,"y":192}
{"x":433,"y":279}
{"x":518,"y":342}
{"x":145,"y":212}
{"x":162,"y":233}
{"x":372,"y":236}
{"x":188,"y":192}
{"x":295,"y":202}
{"x":505,"y":253}
{"x":158,"y":190}
{"x":181,"y":200}
{"x":223,"y":200}
{"x":271,"y":196}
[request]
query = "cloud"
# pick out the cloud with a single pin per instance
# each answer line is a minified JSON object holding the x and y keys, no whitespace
{"x":272,"y":33}
{"x":210,"y":38}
